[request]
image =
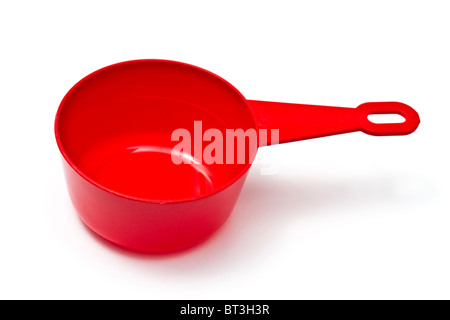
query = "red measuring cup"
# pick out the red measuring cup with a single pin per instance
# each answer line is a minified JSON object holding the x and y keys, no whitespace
{"x":115,"y":129}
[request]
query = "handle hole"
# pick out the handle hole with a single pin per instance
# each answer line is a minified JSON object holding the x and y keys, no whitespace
{"x":386,"y":118}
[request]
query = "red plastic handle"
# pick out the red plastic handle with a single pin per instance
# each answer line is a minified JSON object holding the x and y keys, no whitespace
{"x":299,"y":121}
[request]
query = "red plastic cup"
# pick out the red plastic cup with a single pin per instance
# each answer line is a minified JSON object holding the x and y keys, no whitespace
{"x":114,"y":130}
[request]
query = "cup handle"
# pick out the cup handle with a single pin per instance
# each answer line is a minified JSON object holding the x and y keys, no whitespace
{"x":301,"y":121}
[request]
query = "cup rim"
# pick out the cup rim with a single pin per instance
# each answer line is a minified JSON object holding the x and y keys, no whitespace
{"x":80,"y":172}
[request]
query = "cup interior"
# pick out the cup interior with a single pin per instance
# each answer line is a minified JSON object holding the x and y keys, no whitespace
{"x":116,"y":128}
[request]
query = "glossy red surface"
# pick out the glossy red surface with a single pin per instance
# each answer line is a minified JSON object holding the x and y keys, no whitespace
{"x":114,"y":131}
{"x":150,"y":226}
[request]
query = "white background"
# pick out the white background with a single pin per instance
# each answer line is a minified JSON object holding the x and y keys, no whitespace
{"x":350,"y":216}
